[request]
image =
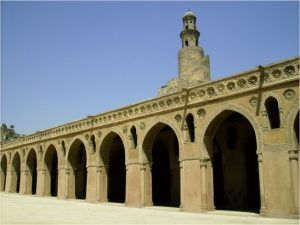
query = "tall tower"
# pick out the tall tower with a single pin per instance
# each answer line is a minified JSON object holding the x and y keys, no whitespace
{"x":193,"y":65}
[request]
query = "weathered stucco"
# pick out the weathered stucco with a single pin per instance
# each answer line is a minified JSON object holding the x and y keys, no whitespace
{"x":86,"y":149}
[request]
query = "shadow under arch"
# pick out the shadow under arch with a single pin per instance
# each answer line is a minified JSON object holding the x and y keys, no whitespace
{"x":51,"y":176}
{"x":3,"y":174}
{"x":16,"y":173}
{"x":77,"y":165}
{"x":31,"y":179}
{"x":112,"y":157}
{"x":231,"y":145}
{"x":292,"y":123}
{"x":161,"y":150}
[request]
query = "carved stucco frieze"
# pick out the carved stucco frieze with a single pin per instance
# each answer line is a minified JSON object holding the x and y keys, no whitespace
{"x":125,"y":129}
{"x":242,"y":82}
{"x":289,"y":70}
{"x":142,"y":126}
{"x":178,"y":118}
{"x":201,"y":113}
{"x":253,"y":102}
{"x":289,"y":94}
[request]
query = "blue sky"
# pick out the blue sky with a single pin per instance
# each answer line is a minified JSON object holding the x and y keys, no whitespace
{"x":62,"y":61}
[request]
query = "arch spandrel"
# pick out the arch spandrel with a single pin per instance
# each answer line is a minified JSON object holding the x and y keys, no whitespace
{"x":2,"y":157}
{"x":222,"y":111}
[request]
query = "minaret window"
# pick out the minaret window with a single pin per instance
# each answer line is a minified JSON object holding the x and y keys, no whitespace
{"x":186,"y":27}
{"x":186,"y":43}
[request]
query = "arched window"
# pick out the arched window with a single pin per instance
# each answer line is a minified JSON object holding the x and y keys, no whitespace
{"x":134,"y":136}
{"x":273,"y":112}
{"x":93,"y":142}
{"x":186,"y":43}
{"x":191,"y":127}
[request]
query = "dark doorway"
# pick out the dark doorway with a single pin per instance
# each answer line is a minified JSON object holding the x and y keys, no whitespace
{"x":161,"y":182}
{"x":32,"y":166}
{"x":77,"y":159}
{"x":52,"y":173}
{"x":15,"y":180}
{"x":235,"y":166}
{"x":165,"y":169}
{"x":3,"y":172}
{"x":117,"y":171}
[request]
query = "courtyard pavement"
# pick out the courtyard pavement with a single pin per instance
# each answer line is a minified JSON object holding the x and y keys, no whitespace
{"x":22,"y":209}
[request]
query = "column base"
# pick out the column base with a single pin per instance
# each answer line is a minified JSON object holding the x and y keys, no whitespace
{"x":262,"y":211}
{"x":296,"y":213}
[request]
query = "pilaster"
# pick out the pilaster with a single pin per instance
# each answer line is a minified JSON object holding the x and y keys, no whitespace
{"x":294,"y":170}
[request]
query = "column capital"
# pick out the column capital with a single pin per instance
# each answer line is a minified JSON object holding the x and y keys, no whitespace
{"x":259,"y":156}
{"x":67,"y":171}
{"x":143,"y":166}
{"x":181,"y":165}
{"x":42,"y":170}
{"x":293,"y":154}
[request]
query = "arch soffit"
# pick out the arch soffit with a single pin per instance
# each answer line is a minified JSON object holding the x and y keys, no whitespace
{"x":290,"y":125}
{"x":168,"y":122}
{"x":2,"y":157}
{"x":251,"y":118}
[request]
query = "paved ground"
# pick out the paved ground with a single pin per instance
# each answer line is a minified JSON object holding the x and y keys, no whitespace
{"x":20,"y":209}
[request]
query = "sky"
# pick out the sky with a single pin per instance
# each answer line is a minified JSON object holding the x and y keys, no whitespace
{"x":63,"y":61}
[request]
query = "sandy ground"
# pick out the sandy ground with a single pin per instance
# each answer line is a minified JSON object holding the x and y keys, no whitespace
{"x":20,"y":209}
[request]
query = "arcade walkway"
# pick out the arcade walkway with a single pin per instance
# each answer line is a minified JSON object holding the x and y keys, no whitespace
{"x":20,"y":209}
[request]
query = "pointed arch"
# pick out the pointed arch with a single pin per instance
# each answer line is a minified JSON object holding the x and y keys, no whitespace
{"x":112,"y":155}
{"x":77,"y":165}
{"x":51,"y":166}
{"x":15,"y":175}
{"x":161,"y":148}
{"x":230,"y":137}
{"x":3,"y":174}
{"x":154,"y":127}
{"x":210,"y":120}
{"x":31,"y":164}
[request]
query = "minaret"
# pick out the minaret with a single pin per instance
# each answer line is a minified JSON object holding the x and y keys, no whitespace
{"x":193,"y":65}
